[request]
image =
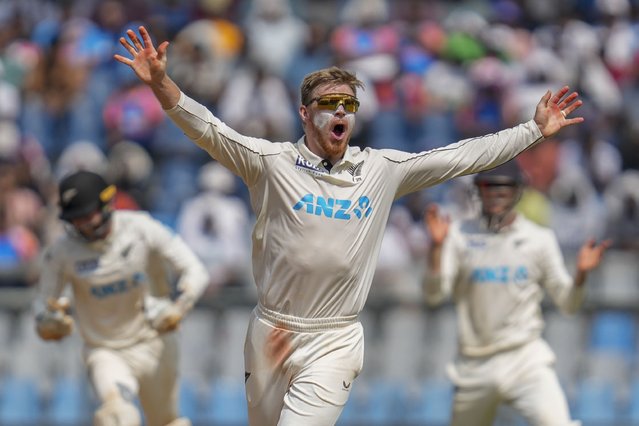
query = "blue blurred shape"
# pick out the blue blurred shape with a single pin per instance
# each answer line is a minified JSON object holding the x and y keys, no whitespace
{"x":633,"y":407}
{"x":595,"y":402}
{"x":70,"y":403}
{"x":431,"y":405}
{"x":614,"y":332}
{"x":226,"y":404}
{"x":19,"y":402}
{"x":189,"y":400}
{"x":370,"y":403}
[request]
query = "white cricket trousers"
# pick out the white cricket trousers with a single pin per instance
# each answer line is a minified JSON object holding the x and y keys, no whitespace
{"x":522,"y":377}
{"x":300,"y":371}
{"x":147,"y":369}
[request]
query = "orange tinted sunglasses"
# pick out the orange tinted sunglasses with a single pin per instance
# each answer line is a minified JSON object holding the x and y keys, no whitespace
{"x":332,"y":102}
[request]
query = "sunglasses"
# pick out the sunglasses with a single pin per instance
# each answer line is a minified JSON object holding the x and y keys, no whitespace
{"x":332,"y":102}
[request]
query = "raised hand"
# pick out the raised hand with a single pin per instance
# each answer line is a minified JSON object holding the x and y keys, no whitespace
{"x":436,"y":224}
{"x":552,"y":111}
{"x":148,"y":63}
{"x":590,"y":255}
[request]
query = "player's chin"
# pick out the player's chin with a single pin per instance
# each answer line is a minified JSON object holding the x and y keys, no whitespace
{"x":339,"y":143}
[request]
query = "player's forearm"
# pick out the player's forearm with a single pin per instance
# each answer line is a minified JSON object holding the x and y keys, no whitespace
{"x":432,"y":283}
{"x":433,"y":289}
{"x":572,"y":297}
{"x":166,"y":92}
{"x":580,"y":278}
{"x":434,"y":259}
{"x":191,"y":286}
{"x":465,"y":157}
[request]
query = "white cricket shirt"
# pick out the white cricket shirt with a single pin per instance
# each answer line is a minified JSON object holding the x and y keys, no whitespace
{"x":110,"y":278}
{"x":318,"y":233}
{"x":497,"y":281}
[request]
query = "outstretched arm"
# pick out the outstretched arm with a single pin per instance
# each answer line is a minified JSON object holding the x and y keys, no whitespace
{"x":149,"y":64}
{"x":552,"y":111}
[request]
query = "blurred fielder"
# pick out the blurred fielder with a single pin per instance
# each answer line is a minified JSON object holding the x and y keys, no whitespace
{"x":496,"y":268}
{"x":321,"y":208}
{"x":107,"y":257}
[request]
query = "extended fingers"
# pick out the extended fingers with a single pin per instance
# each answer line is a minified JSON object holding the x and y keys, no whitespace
{"x":570,"y":104}
{"x":560,"y":94}
{"x":124,"y":42}
{"x":567,"y":100}
{"x":146,"y":38}
{"x":134,"y":38}
{"x":604,"y":245}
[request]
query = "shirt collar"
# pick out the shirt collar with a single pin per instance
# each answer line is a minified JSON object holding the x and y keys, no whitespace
{"x":317,"y":160}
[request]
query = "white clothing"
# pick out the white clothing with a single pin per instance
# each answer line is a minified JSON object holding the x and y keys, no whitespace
{"x":110,"y":280}
{"x":316,"y":241}
{"x":312,"y":385}
{"x":497,"y":281}
{"x":522,"y":377}
{"x":110,"y":277}
{"x":147,"y":369}
{"x":318,"y":233}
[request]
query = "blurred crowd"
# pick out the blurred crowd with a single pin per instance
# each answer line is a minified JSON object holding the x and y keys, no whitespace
{"x":436,"y":72}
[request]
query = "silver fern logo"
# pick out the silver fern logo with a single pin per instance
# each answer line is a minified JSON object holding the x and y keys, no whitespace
{"x":356,"y":171}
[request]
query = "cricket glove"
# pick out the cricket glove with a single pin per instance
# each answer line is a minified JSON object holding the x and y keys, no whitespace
{"x":54,"y":323}
{"x":163,"y":314}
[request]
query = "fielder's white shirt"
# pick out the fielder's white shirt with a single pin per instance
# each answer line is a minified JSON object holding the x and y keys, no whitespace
{"x":497,"y":281}
{"x":110,"y":278}
{"x":318,"y":233}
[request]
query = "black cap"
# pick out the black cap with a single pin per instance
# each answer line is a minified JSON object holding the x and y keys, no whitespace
{"x":507,"y":174}
{"x":82,"y":193}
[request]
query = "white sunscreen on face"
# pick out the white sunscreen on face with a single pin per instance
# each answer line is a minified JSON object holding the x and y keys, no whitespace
{"x":322,"y":119}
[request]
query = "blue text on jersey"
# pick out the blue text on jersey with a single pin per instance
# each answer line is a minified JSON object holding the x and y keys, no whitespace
{"x":499,"y":275}
{"x":117,"y":287}
{"x":333,"y":207}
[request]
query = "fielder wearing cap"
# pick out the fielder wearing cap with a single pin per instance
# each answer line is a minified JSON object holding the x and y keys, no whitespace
{"x":108,"y":259}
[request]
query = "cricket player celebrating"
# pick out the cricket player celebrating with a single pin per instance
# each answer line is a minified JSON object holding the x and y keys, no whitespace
{"x":107,"y":257}
{"x":321,"y":208}
{"x":496,"y":268}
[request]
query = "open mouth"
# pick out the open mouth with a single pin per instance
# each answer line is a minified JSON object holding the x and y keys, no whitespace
{"x":339,"y":130}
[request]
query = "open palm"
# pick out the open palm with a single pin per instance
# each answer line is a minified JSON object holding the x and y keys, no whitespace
{"x":590,"y":254}
{"x":552,"y":111}
{"x":148,"y":63}
{"x":436,"y":224}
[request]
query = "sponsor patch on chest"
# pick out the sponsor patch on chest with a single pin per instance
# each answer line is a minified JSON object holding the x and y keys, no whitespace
{"x":86,"y":265}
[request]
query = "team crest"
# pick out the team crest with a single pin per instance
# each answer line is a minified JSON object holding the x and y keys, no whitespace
{"x":356,"y":171}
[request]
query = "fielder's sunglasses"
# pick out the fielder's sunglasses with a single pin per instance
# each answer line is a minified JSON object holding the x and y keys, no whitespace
{"x":332,"y":102}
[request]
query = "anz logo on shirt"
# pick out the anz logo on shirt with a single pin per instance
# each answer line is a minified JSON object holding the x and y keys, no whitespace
{"x":117,"y":287}
{"x":334,"y":208}
{"x":500,"y":275}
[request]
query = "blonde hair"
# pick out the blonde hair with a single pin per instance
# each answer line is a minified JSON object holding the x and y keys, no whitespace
{"x":333,"y":76}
